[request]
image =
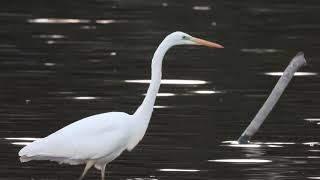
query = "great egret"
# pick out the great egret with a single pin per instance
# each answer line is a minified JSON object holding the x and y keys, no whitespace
{"x":99,"y":139}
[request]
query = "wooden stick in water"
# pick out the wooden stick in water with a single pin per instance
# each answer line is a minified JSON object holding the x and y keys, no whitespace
{"x":277,"y":91}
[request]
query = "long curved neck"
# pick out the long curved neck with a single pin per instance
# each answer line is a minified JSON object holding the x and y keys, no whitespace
{"x":146,"y":107}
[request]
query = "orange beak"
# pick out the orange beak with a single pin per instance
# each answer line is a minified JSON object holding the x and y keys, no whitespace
{"x":206,"y":43}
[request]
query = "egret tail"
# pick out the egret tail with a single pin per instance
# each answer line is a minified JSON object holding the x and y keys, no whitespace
{"x":277,"y":91}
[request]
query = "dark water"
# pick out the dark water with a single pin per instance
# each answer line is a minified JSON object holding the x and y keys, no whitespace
{"x":62,"y":61}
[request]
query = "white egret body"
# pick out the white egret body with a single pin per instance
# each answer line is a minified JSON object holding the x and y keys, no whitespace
{"x":99,"y":139}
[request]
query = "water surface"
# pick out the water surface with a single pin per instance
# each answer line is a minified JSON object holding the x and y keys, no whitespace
{"x":63,"y":61}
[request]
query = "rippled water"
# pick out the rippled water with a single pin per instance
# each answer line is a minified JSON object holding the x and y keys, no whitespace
{"x":62,"y":61}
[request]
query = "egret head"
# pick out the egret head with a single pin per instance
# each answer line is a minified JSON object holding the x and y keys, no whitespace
{"x":181,"y":38}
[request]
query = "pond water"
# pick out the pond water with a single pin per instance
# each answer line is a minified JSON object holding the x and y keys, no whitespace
{"x":63,"y":61}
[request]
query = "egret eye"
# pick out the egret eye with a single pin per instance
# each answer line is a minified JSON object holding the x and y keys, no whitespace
{"x":184,"y":37}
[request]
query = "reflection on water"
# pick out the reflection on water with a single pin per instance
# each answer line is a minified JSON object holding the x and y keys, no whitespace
{"x":164,"y":94}
{"x":201,"y":8}
{"x":312,"y":119}
{"x":241,"y":160}
{"x":149,"y":178}
{"x":51,"y":42}
{"x":53,"y":36}
{"x":49,"y":64}
{"x":20,"y":141}
{"x":171,"y":81}
{"x":63,"y":61}
{"x":179,"y":170}
{"x":311,"y":144}
{"x":57,"y":21}
{"x":162,"y":107}
{"x":113,"y":54}
{"x":85,"y":98}
{"x":105,"y":21}
{"x":22,"y":138}
{"x":208,"y":92}
{"x":295,"y":74}
{"x":261,"y":51}
{"x":254,"y":144}
{"x":164,"y":4}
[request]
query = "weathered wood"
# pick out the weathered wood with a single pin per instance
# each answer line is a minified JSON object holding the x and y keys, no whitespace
{"x":277,"y":91}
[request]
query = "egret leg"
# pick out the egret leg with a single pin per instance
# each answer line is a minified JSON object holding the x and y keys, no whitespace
{"x":89,"y":164}
{"x":103,"y":171}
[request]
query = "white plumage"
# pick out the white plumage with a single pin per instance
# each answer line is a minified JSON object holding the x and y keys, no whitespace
{"x":99,"y":139}
{"x":94,"y":137}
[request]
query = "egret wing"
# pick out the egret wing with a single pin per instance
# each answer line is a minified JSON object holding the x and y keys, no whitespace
{"x":90,"y":138}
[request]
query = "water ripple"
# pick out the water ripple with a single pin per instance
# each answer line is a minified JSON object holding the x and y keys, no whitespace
{"x":57,"y":21}
{"x":201,"y":8}
{"x":179,"y":170}
{"x":241,"y":160}
{"x":208,"y":92}
{"x":261,"y":51}
{"x":170,"y":81}
{"x":295,"y":74}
